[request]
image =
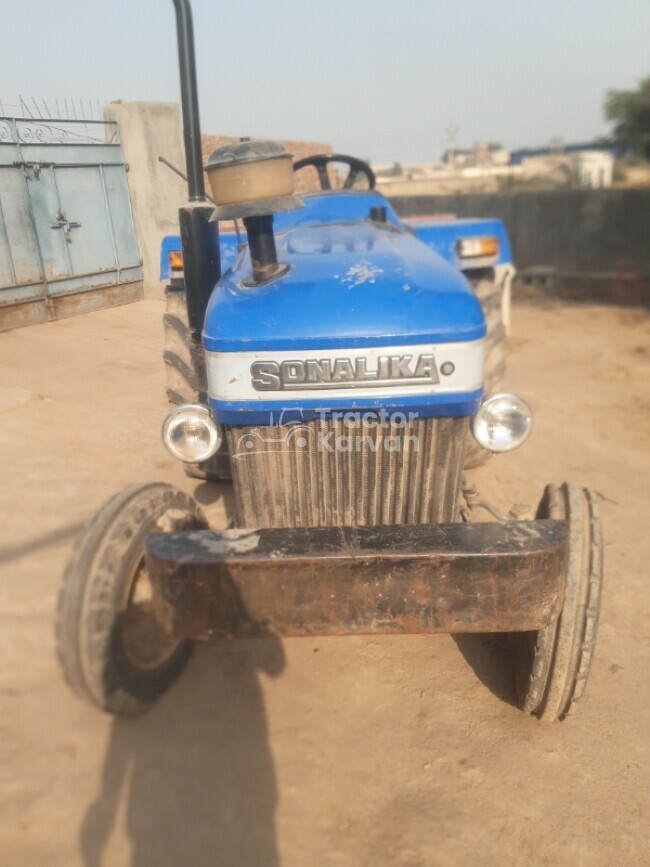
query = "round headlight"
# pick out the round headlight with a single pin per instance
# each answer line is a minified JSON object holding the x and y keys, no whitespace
{"x":190,"y":434}
{"x":502,"y":423}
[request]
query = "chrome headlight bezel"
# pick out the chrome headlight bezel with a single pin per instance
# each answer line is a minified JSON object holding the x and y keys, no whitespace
{"x":503,"y":422}
{"x":173,"y":431}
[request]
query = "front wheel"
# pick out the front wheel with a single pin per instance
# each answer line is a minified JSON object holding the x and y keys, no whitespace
{"x":552,"y":664}
{"x":115,"y":645}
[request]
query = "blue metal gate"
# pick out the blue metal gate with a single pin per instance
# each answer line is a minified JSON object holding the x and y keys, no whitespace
{"x":67,"y":240}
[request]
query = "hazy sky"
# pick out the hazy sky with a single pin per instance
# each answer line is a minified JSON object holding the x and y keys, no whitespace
{"x":377,"y":78}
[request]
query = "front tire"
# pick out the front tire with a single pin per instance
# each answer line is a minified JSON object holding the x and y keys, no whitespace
{"x":552,"y":664}
{"x":187,"y":379}
{"x":115,"y":649}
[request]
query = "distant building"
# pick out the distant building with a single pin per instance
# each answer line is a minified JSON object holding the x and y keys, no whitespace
{"x":595,"y":168}
{"x":489,"y":168}
{"x":589,"y":165}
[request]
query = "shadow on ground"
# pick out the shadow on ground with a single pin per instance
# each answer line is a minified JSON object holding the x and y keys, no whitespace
{"x":195,"y":773}
{"x":217,"y":499}
{"x":38,"y":543}
{"x":490,"y":656}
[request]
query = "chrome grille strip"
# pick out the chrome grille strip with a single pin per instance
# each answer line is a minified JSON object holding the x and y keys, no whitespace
{"x":283,"y":478}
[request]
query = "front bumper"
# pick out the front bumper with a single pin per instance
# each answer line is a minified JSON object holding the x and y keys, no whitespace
{"x":317,"y":581}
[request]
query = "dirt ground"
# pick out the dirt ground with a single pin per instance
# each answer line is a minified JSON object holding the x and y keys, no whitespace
{"x":392,"y":752}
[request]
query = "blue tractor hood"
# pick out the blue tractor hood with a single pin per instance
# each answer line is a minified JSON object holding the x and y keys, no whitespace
{"x":357,"y":284}
{"x":366,"y":317}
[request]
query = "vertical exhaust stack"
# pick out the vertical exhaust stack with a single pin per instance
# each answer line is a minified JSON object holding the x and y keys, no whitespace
{"x":189,"y":101}
{"x":199,"y":237}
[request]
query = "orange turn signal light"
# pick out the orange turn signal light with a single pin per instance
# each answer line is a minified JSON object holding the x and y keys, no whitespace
{"x":480,"y":246}
{"x":176,"y":260}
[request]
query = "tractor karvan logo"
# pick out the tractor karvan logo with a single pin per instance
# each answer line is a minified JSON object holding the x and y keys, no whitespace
{"x":331,"y":431}
{"x":391,"y":370}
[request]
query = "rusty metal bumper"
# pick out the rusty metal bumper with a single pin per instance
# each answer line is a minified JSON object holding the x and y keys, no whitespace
{"x":485,"y":577}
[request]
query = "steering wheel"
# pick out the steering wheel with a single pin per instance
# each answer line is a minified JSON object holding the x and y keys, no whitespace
{"x":321,"y":161}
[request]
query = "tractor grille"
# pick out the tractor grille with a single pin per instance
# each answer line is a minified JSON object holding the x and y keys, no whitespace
{"x":343,"y":473}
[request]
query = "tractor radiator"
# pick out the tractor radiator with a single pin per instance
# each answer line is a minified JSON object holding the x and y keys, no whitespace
{"x":348,"y":472}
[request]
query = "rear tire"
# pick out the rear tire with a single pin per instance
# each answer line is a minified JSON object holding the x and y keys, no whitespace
{"x":489,"y":293}
{"x":113,"y":646}
{"x":552,"y":665}
{"x":187,"y":380}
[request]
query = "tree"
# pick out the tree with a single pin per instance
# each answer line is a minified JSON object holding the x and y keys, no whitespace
{"x":629,"y":111}
{"x":456,"y":152}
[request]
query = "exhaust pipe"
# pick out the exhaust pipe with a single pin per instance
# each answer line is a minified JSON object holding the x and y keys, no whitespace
{"x":189,"y":101}
{"x":199,"y":237}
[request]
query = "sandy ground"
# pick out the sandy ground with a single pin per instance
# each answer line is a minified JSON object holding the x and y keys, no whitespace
{"x":363,"y":751}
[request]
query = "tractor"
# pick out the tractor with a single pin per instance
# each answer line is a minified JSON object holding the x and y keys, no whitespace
{"x":342,"y":367}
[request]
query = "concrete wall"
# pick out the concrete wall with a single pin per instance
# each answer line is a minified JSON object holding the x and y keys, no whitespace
{"x":149,"y":130}
{"x":592,"y":242}
{"x":152,"y":129}
{"x":435,"y":187}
